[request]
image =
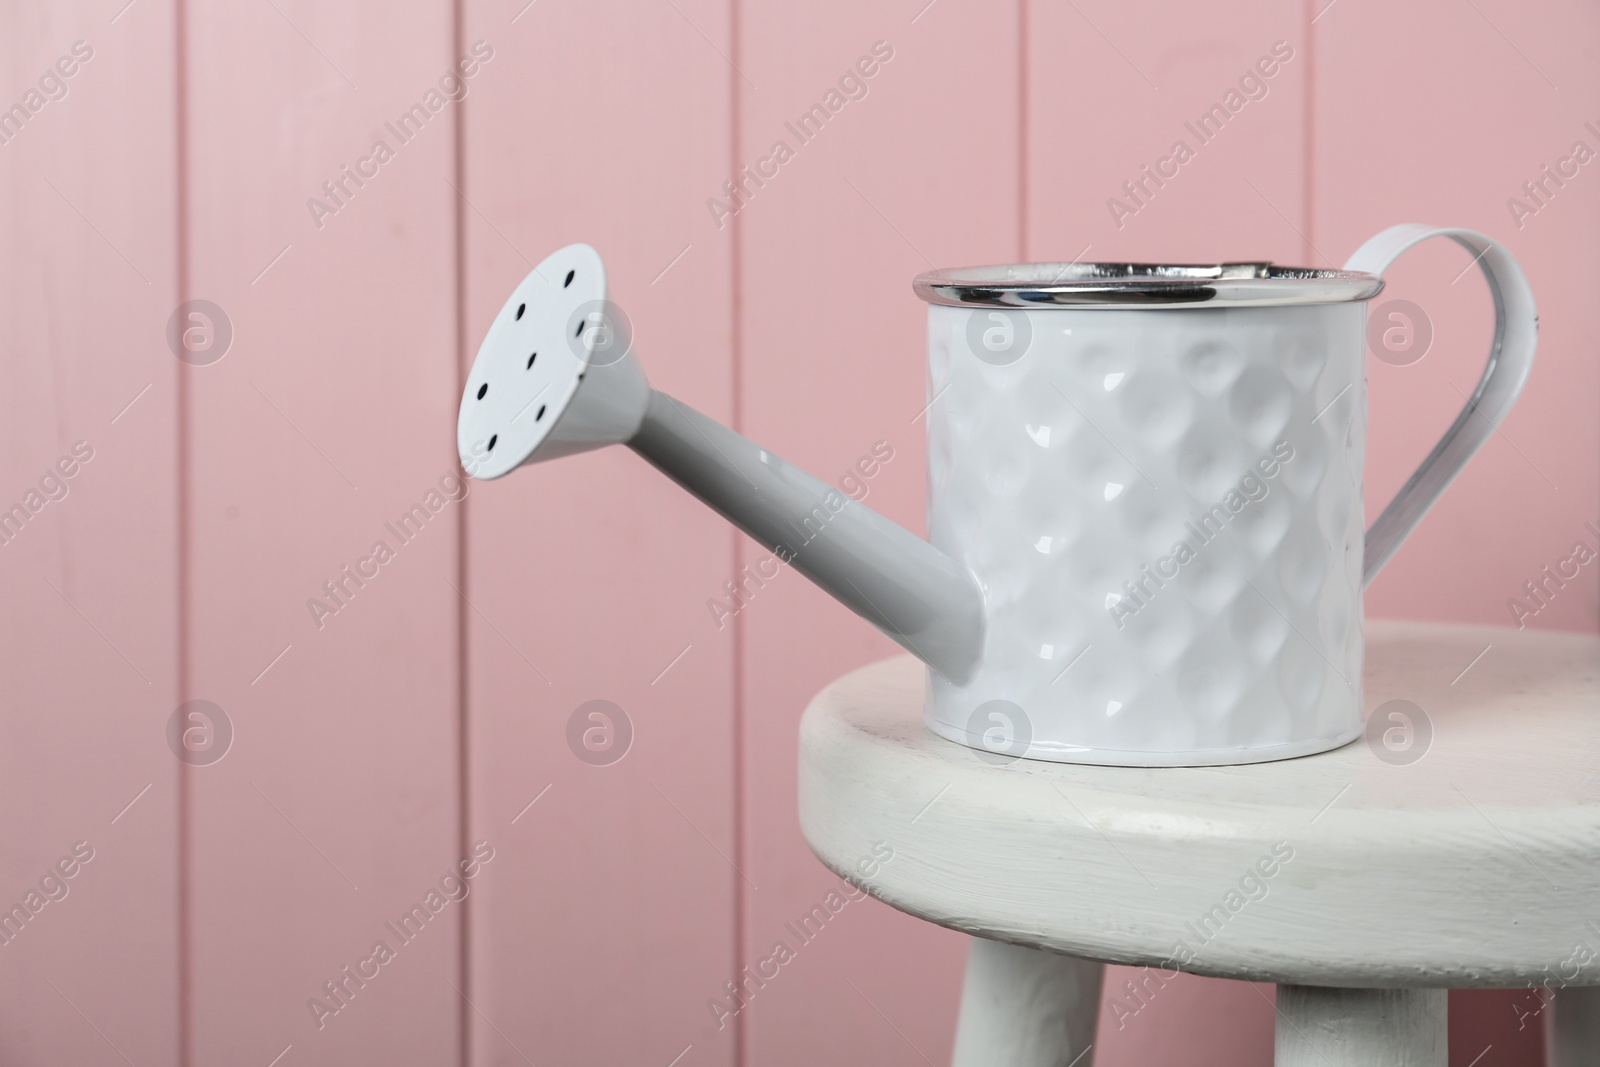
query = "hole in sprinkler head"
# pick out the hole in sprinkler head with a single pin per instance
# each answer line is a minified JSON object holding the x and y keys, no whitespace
{"x":579,"y":331}
{"x":568,"y":282}
{"x":530,"y":361}
{"x":484,"y":388}
{"x":520,"y":309}
{"x":539,"y":414}
{"x":492,"y":440}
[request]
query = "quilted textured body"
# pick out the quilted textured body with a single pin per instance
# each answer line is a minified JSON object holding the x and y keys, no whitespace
{"x":1164,"y":510}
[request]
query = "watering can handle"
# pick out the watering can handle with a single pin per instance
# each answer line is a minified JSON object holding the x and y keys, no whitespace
{"x":1516,"y":335}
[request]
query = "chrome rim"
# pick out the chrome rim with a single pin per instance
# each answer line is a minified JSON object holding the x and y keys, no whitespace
{"x":1084,"y":285}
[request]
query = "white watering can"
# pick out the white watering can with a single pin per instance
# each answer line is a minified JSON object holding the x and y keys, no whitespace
{"x":1145,"y":514}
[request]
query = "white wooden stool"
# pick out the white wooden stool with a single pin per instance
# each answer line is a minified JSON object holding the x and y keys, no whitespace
{"x":1366,"y":885}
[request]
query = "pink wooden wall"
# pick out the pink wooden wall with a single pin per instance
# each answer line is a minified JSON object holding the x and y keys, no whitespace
{"x":371,"y":753}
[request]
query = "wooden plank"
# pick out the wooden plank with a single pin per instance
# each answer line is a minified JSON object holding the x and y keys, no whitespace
{"x":1524,"y":502}
{"x":1235,"y":190}
{"x":608,"y":920}
{"x":88,"y":570}
{"x":920,"y":171}
{"x":330,"y":417}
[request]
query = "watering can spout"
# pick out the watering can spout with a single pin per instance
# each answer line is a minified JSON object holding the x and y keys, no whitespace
{"x":929,"y":603}
{"x":557,"y":374}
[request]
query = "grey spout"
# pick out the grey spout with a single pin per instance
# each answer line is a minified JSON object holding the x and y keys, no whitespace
{"x":927,"y":602}
{"x":557,"y":374}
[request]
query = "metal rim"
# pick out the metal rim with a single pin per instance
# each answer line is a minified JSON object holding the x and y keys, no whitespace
{"x":1152,"y":285}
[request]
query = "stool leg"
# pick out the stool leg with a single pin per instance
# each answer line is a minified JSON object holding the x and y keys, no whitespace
{"x":1323,"y":1027}
{"x":1025,"y":1007}
{"x":1575,"y":1030}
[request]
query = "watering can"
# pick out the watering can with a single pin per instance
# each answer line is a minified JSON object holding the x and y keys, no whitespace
{"x":1145,"y":518}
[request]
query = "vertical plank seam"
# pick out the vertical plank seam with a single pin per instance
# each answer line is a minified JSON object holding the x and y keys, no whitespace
{"x":180,"y":17}
{"x":1308,"y":131}
{"x":1022,"y":131}
{"x":741,"y":1036}
{"x":463,"y":692}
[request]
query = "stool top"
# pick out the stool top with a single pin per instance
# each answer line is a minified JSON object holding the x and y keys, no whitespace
{"x":1475,"y":863}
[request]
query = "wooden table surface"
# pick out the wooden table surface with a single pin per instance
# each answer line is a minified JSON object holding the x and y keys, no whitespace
{"x":1471,"y":858}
